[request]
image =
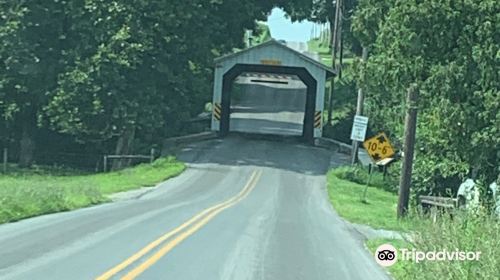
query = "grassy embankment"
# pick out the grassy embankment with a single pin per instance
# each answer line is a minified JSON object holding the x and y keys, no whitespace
{"x":475,"y":232}
{"x":32,"y":192}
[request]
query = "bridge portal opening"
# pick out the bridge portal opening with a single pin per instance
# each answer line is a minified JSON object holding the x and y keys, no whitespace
{"x":266,"y":103}
{"x":245,"y":123}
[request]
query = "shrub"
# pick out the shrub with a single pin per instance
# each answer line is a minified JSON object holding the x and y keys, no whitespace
{"x":361,"y":176}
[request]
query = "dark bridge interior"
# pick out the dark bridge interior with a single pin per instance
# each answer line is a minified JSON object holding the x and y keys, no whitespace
{"x":310,"y":98}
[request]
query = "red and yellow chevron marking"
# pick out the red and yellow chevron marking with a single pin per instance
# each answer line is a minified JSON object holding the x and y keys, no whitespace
{"x":217,"y":111}
{"x":317,"y":119}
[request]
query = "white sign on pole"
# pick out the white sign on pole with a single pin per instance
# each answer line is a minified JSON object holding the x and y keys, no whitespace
{"x":359,"y":127}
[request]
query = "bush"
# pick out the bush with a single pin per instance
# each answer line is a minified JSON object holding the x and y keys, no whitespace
{"x":361,"y":176}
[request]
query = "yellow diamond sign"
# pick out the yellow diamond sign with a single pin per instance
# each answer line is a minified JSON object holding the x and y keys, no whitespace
{"x":379,"y":147}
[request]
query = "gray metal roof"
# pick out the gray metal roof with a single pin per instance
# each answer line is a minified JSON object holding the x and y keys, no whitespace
{"x":329,"y":71}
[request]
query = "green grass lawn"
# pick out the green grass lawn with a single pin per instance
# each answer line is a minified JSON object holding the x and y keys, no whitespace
{"x":32,"y":192}
{"x":325,"y":53}
{"x":466,"y":231}
{"x":378,"y":211}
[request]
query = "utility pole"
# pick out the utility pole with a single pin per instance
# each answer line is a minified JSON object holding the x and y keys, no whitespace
{"x":340,"y":46}
{"x":359,"y":111}
{"x":320,"y":34}
{"x":408,"y":150}
{"x":337,"y":20}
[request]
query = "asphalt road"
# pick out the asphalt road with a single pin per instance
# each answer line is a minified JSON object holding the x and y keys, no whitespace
{"x":268,"y":217}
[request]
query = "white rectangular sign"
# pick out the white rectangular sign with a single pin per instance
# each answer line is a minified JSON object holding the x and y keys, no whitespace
{"x":359,"y":127}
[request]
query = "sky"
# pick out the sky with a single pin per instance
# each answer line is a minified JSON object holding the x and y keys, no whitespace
{"x":283,"y":29}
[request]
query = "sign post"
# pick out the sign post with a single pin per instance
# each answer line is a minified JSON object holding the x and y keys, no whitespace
{"x":358,"y":134}
{"x":381,"y":152}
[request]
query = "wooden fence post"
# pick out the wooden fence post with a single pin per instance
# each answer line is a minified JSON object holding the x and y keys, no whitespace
{"x":152,"y":155}
{"x":105,"y":164}
{"x":5,"y":158}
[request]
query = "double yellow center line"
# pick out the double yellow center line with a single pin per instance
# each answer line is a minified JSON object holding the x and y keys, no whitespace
{"x":182,"y":232}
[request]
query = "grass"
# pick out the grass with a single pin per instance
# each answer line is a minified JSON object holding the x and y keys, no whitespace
{"x":477,"y":233}
{"x":323,"y":51}
{"x":13,"y":170}
{"x":27,"y":193}
{"x":378,"y":211}
{"x":472,"y":231}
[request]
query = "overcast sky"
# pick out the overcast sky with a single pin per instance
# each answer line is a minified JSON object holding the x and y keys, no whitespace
{"x":283,"y":28}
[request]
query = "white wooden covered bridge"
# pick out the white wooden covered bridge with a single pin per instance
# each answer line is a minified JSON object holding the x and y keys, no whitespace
{"x":271,"y":57}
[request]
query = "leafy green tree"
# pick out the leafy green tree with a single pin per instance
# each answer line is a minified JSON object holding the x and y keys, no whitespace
{"x":323,"y":11}
{"x":451,"y":51}
{"x":30,"y":60}
{"x":368,"y":16}
{"x":143,"y":66}
{"x":112,"y":71}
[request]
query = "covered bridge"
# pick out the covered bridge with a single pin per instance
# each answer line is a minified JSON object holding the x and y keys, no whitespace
{"x":274,"y":58}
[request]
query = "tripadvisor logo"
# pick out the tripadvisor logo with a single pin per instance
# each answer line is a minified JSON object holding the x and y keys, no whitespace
{"x":387,"y":255}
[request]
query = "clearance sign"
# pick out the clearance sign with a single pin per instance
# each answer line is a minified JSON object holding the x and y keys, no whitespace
{"x":379,"y":147}
{"x":270,"y":62}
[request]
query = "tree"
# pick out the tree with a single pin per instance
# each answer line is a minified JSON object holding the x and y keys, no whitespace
{"x":32,"y":42}
{"x":142,"y":67}
{"x":108,"y":72}
{"x":451,"y":50}
{"x":368,"y":16}
{"x":323,"y":11}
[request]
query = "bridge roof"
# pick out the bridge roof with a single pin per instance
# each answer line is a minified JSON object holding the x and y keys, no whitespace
{"x":265,"y":51}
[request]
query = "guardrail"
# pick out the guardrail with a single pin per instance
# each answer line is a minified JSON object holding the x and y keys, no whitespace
{"x":439,"y":204}
{"x":334,"y":144}
{"x":437,"y":201}
{"x":150,"y":157}
{"x":175,"y":141}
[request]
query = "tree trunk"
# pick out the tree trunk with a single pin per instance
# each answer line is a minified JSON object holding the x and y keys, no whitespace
{"x":124,"y":147}
{"x":27,"y":146}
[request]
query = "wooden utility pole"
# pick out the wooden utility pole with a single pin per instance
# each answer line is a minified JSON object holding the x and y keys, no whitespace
{"x":336,"y":30}
{"x":408,"y":150}
{"x":341,"y":54}
{"x":359,"y":112}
